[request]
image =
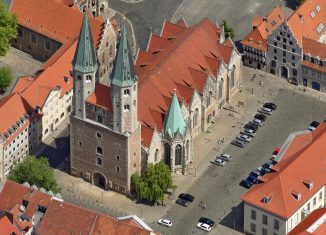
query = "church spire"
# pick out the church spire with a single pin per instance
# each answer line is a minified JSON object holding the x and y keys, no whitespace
{"x":85,"y":60}
{"x":123,"y":73}
{"x":174,"y":121}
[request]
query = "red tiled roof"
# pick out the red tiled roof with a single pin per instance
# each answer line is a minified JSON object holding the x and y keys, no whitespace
{"x":280,"y":184}
{"x":65,"y":218}
{"x":106,"y":226}
{"x":262,"y":27}
{"x":12,"y":107}
{"x":8,"y":227}
{"x":54,"y":19}
{"x":101,"y":96}
{"x":24,"y":225}
{"x":303,"y":25}
{"x":22,"y":83}
{"x":302,"y":228}
{"x":181,"y":58}
{"x":67,"y":2}
{"x":13,"y":193}
{"x":315,"y":49}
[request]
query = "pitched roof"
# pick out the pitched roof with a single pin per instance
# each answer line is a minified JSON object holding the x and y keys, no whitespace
{"x":109,"y":226}
{"x":262,"y":27}
{"x":174,"y":122}
{"x":123,"y":73}
{"x":66,"y":218}
{"x":303,"y":23}
{"x":85,"y":59}
{"x":314,"y":224}
{"x":12,"y":107}
{"x":314,"y":49}
{"x":180,"y":58}
{"x":289,"y":178}
{"x":8,"y":227}
{"x":22,"y":83}
{"x":54,"y":19}
{"x":101,"y":96}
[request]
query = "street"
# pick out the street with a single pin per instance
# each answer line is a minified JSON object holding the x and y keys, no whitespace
{"x":218,"y":187}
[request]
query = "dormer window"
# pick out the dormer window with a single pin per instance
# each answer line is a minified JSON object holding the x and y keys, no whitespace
{"x":267,"y":199}
{"x":308,"y":183}
{"x":296,"y":195}
{"x":317,"y":8}
{"x":312,"y":14}
{"x":320,"y":27}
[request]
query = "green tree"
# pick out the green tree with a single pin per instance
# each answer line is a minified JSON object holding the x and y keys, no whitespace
{"x":5,"y":78}
{"x":8,"y":28}
{"x":153,"y":183}
{"x":229,"y":33}
{"x":35,"y":171}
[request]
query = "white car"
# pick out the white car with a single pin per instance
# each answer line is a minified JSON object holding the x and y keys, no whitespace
{"x":165,"y":222}
{"x":225,"y":157}
{"x":249,"y":132}
{"x":204,"y":227}
{"x":257,"y":122}
{"x":218,"y":162}
{"x":266,"y":111}
{"x":247,"y":138}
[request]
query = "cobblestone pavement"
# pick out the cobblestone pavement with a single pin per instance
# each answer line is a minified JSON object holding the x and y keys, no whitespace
{"x":299,"y":108}
{"x":20,"y":63}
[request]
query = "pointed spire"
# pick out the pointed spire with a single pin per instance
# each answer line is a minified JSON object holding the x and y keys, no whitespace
{"x":123,"y":73}
{"x":174,"y":121}
{"x":85,"y":60}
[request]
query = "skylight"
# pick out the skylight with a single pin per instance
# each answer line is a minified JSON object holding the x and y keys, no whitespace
{"x":318,"y":7}
{"x":312,"y":14}
{"x":320,"y":27}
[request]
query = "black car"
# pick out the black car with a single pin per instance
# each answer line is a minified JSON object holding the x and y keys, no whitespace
{"x":206,"y":221}
{"x":251,"y":126}
{"x":270,"y":106}
{"x":187,"y":197}
{"x":182,"y":202}
{"x":246,"y":184}
{"x":261,"y":117}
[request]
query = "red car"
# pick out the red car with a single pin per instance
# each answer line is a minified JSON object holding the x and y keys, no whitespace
{"x":274,"y":153}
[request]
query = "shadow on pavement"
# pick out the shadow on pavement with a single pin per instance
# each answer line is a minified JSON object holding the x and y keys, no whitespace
{"x":234,"y":220}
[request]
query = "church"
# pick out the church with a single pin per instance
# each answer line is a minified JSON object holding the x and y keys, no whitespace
{"x":153,"y":108}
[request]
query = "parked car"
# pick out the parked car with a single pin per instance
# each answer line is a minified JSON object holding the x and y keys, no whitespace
{"x":257,"y":122}
{"x":187,"y":197}
{"x":204,"y":227}
{"x":264,"y":170}
{"x":270,"y":105}
{"x":249,"y":132}
{"x":226,"y":157}
{"x":275,"y":153}
{"x":253,"y":179}
{"x":246,"y":184}
{"x":239,"y":143}
{"x":246,"y":138}
{"x":267,"y":111}
{"x":268,"y":165}
{"x":206,"y":221}
{"x":251,"y":126}
{"x":313,"y":125}
{"x":219,"y":162}
{"x":293,"y":81}
{"x":256,"y":173}
{"x":260,"y":116}
{"x":182,"y":202}
{"x":165,"y":222}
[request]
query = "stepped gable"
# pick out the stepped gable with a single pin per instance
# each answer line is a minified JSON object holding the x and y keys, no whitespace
{"x":180,"y":58}
{"x":42,"y":17}
{"x":302,"y":24}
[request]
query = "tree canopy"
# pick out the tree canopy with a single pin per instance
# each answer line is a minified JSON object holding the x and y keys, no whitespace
{"x":229,"y":33}
{"x":5,"y":78}
{"x":8,"y":28}
{"x":153,"y":183}
{"x":35,"y":171}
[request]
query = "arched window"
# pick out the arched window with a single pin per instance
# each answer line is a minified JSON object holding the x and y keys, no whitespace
{"x":195,"y":118}
{"x":167,"y":154}
{"x":126,"y":108}
{"x":99,"y":150}
{"x":126,"y":92}
{"x":178,"y":154}
{"x":88,"y":78}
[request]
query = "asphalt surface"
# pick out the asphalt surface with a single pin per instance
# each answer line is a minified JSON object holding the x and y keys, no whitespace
{"x":146,"y":16}
{"x":219,"y":187}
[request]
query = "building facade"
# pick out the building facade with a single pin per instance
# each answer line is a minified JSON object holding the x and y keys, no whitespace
{"x":288,"y":195}
{"x":105,"y":132}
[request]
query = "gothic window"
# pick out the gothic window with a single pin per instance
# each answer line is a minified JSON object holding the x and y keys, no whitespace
{"x":178,"y":154}
{"x":126,"y":92}
{"x":126,"y":108}
{"x":156,"y":155}
{"x":220,"y":90}
{"x":167,"y":154}
{"x":88,"y":78}
{"x":99,"y":150}
{"x":195,"y":118}
{"x":98,"y":135}
{"x":98,"y":161}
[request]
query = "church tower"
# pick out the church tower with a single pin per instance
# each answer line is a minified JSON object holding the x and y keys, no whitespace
{"x":124,"y":88}
{"x":85,"y":65}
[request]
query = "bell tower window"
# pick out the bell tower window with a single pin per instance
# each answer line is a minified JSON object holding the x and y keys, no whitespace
{"x":126,"y":92}
{"x":126,"y":108}
{"x":88,"y":78}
